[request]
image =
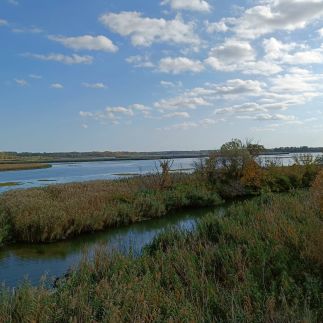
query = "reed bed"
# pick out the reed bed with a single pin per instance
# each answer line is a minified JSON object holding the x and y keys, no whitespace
{"x":259,"y":262}
{"x":23,"y":166}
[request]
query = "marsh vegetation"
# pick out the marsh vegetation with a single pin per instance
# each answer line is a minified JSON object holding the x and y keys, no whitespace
{"x":4,"y":167}
{"x":260,"y":261}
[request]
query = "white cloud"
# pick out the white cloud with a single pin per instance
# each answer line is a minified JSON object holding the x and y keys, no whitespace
{"x":274,"y":15}
{"x":320,"y":32}
{"x":277,"y":117}
{"x":94,"y":85}
{"x":140,"y":61}
{"x":216,"y":27}
{"x":176,"y":115}
{"x":290,"y":54}
{"x":145,"y":31}
{"x":179,"y":65}
{"x":249,"y":107}
{"x":3,"y":22}
{"x":298,"y":81}
{"x":87,"y":42}
{"x":169,"y":84}
{"x":56,"y":86}
{"x":21,"y":82}
{"x":116,"y":114}
{"x":233,"y":51}
{"x":238,"y":87}
{"x":84,"y":126}
{"x":71,"y":59}
{"x":237,"y":55}
{"x":181,"y":102}
{"x":192,"y":5}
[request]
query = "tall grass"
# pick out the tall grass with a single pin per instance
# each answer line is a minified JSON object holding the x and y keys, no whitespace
{"x":259,"y":262}
{"x":62,"y":211}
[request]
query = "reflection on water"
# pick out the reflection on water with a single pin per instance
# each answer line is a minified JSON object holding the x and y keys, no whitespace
{"x":34,"y":260}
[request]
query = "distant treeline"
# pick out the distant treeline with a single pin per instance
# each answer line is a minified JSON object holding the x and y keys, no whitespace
{"x":302,"y":149}
{"x":136,"y":155}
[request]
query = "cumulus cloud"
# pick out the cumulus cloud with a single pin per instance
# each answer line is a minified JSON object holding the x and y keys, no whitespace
{"x":176,"y":115}
{"x":144,"y":31}
{"x":140,"y":61}
{"x":179,"y":65}
{"x":169,"y":84}
{"x":292,"y":53}
{"x":66,"y":59}
{"x":274,"y":15}
{"x":116,"y":114}
{"x":192,"y":5}
{"x":56,"y":86}
{"x":181,"y":102}
{"x":87,"y":42}
{"x":237,"y":55}
{"x":320,"y":32}
{"x":94,"y":85}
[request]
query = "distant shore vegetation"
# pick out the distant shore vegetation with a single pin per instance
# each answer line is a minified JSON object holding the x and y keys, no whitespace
{"x":22,"y":166}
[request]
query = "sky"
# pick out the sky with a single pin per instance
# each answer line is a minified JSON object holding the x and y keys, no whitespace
{"x":142,"y":75}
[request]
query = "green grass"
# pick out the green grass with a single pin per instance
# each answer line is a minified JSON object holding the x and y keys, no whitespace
{"x":261,"y":261}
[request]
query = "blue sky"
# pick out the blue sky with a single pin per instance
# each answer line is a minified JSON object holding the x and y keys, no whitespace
{"x":159,"y":75}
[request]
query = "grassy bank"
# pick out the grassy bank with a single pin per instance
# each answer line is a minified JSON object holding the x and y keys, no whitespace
{"x":260,"y":262}
{"x":22,"y":166}
{"x":63,"y":211}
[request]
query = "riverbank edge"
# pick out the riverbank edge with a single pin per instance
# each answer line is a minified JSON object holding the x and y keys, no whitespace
{"x":8,"y":167}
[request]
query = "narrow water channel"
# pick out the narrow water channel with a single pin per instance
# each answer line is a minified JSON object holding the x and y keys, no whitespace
{"x":32,"y":261}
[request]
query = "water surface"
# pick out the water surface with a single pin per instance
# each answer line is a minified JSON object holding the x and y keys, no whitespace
{"x":32,"y":261}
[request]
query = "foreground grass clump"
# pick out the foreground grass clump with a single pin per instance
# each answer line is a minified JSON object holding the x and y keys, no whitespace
{"x":24,"y":166}
{"x":62,"y":211}
{"x":317,"y":190}
{"x":260,"y":262}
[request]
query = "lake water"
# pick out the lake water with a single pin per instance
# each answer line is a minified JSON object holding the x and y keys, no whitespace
{"x":84,"y":171}
{"x":87,"y":171}
{"x":32,"y":261}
